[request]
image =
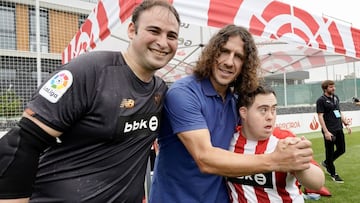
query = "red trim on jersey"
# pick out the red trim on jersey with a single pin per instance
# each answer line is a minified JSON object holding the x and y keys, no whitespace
{"x":261,"y":195}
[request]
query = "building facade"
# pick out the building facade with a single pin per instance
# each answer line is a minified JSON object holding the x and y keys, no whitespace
{"x":25,"y":27}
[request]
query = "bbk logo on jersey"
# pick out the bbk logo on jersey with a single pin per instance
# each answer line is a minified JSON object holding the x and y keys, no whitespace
{"x":151,"y":124}
{"x":55,"y":88}
{"x":138,"y":125}
{"x":260,"y":180}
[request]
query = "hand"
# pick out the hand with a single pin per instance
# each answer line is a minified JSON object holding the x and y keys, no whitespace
{"x":293,"y":154}
{"x":328,"y":136}
{"x":348,"y":129}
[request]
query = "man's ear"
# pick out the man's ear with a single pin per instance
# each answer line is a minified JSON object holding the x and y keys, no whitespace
{"x":131,"y":30}
{"x":243,"y":112}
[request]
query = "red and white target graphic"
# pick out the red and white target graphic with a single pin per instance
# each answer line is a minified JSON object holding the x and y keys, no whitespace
{"x":318,"y":41}
{"x":98,"y":26}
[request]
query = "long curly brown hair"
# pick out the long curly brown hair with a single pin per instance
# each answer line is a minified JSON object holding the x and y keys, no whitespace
{"x":248,"y":79}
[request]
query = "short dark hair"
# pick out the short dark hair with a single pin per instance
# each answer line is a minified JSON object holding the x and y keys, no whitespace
{"x":325,"y":84}
{"x":249,"y":98}
{"x":148,"y":4}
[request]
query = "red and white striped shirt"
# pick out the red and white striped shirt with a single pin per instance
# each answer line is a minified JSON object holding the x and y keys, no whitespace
{"x":265,"y":187}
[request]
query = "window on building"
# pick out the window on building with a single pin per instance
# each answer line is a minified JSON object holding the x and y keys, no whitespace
{"x":44,"y":30}
{"x":82,"y":19}
{"x":7,"y":26}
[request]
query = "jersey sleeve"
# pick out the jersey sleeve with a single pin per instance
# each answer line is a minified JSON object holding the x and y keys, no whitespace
{"x":319,"y":105}
{"x":282,"y":133}
{"x":65,"y":96}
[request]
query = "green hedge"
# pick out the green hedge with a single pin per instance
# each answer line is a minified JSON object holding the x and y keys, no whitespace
{"x":10,"y":104}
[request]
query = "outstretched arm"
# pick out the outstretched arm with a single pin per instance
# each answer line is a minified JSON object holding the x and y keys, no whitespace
{"x":20,"y":149}
{"x":312,"y":178}
{"x":21,"y":200}
{"x":291,"y":154}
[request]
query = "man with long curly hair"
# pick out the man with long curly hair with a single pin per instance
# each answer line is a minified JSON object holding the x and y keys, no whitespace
{"x":199,"y":119}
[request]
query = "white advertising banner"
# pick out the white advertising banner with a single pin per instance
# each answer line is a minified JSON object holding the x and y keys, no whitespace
{"x":304,"y":122}
{"x":309,"y":122}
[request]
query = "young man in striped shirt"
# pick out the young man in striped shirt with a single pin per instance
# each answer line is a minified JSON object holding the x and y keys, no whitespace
{"x":257,"y":134}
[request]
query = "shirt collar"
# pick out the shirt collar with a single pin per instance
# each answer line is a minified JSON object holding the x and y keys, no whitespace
{"x":209,"y":89}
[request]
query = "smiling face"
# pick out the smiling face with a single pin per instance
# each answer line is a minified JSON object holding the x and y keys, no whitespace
{"x":229,"y":64}
{"x":258,"y":120}
{"x":153,"y":39}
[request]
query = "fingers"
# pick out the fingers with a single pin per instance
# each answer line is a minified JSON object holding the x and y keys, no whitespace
{"x":301,"y":142}
{"x":290,"y":140}
{"x":294,"y":154}
{"x":328,"y":136}
{"x":348,"y":129}
{"x":304,"y":144}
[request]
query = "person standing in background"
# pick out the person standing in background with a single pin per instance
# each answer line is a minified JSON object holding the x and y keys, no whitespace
{"x":199,"y":119}
{"x":104,"y":110}
{"x":331,"y":120}
{"x":257,"y":134}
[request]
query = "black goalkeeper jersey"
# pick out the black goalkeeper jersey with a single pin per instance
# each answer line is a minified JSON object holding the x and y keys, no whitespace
{"x":110,"y":119}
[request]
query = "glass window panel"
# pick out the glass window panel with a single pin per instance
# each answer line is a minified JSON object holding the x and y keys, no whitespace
{"x":7,"y":27}
{"x":82,"y":19}
{"x":44,"y":34}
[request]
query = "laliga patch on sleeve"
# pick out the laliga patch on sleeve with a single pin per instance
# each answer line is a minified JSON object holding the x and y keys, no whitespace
{"x":56,"y":87}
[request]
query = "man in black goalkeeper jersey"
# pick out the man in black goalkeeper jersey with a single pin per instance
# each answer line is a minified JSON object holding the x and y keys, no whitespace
{"x":86,"y":134}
